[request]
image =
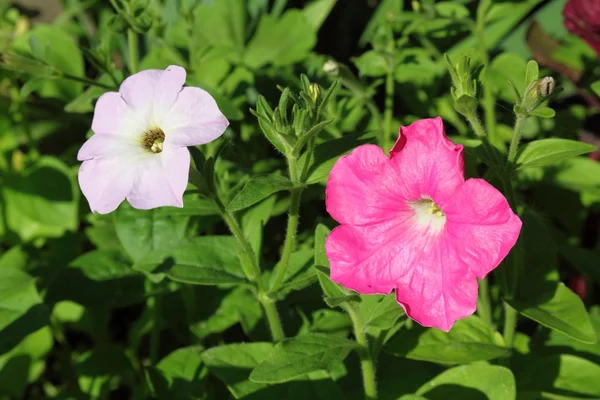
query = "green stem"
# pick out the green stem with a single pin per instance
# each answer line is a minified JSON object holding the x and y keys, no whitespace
{"x":366,"y":360}
{"x":510,"y":314}
{"x":89,"y":82}
{"x":247,"y":251}
{"x":132,"y":41}
{"x":270,"y":310}
{"x":389,"y":96}
{"x":484,"y":307}
{"x":292,"y":226}
{"x":488,"y":97}
{"x":516,"y":138}
{"x":273,"y":318}
{"x":510,"y":325}
{"x":154,"y":303}
{"x":254,"y":275}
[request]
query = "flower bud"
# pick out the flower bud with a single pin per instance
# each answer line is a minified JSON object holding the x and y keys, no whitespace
{"x":315,"y":91}
{"x":545,"y":86}
{"x":331,"y":68}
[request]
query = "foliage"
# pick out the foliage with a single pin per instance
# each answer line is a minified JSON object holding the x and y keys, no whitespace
{"x":230,"y":296}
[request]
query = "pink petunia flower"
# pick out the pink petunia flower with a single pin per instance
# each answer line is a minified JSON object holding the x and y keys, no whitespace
{"x":138,"y":150}
{"x":413,"y":224}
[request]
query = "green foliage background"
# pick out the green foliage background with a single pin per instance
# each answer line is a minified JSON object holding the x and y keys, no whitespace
{"x":158,"y":304}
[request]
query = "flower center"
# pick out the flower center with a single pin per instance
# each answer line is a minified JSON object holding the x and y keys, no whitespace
{"x":153,"y":140}
{"x":428,"y":214}
{"x":435,"y":210}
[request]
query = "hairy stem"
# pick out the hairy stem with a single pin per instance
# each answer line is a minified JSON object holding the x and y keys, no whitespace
{"x":366,"y":360}
{"x":516,"y":138}
{"x":254,"y":275}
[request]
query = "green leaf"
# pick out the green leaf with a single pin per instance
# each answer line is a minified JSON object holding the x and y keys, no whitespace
{"x":563,"y":312}
{"x":327,"y":153}
{"x":337,"y":301}
{"x":550,"y":151}
{"x":206,"y":260}
{"x":558,"y":375}
{"x":102,"y":266}
{"x":282,"y":41}
{"x":89,"y":278}
{"x":257,"y":189}
{"x":42,"y":201}
{"x":297,"y":356}
{"x":596,"y":88}
{"x":547,"y":341}
{"x":532,"y":73}
{"x":254,"y":221}
{"x":469,"y":340}
{"x":317,"y":11}
{"x":95,"y":368}
{"x":543,"y":112}
{"x":180,"y":375}
{"x":232,"y":364}
{"x":25,"y":363}
{"x":496,"y":383}
{"x":371,"y":63}
{"x":21,"y":309}
{"x":60,"y":51}
{"x":239,"y":306}
{"x":142,"y":231}
{"x":505,"y":76}
{"x":299,"y":273}
{"x":380,"y":312}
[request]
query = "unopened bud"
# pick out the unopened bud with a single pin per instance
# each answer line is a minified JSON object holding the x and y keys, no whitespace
{"x":331,"y":68}
{"x":545,"y":86}
{"x":315,"y":91}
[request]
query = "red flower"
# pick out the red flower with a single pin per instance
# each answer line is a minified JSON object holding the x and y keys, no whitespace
{"x":582,"y":18}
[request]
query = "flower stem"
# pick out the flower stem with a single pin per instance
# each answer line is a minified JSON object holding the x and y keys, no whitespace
{"x":366,"y":360}
{"x":510,"y":314}
{"x":254,"y":275}
{"x":90,"y":82}
{"x":516,"y":138}
{"x":132,"y":41}
{"x":488,"y":96}
{"x":510,"y":325}
{"x":292,"y":226}
{"x":484,"y":307}
{"x":389,"y":96}
{"x":270,"y":309}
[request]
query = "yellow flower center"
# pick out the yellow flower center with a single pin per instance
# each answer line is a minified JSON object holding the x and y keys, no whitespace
{"x":153,"y":140}
{"x":435,"y":210}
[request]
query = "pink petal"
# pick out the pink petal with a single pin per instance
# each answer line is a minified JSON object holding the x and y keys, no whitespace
{"x":432,"y":284}
{"x":105,"y":182}
{"x":193,"y":119}
{"x":481,"y":225}
{"x":152,"y":92}
{"x":113,"y":116}
{"x":161,"y":179}
{"x":106,"y":145}
{"x":363,"y":188}
{"x":426,"y":161}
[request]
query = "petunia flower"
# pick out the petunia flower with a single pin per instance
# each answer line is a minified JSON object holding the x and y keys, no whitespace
{"x":138,"y":150}
{"x":411,"y":223}
{"x":582,"y":18}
